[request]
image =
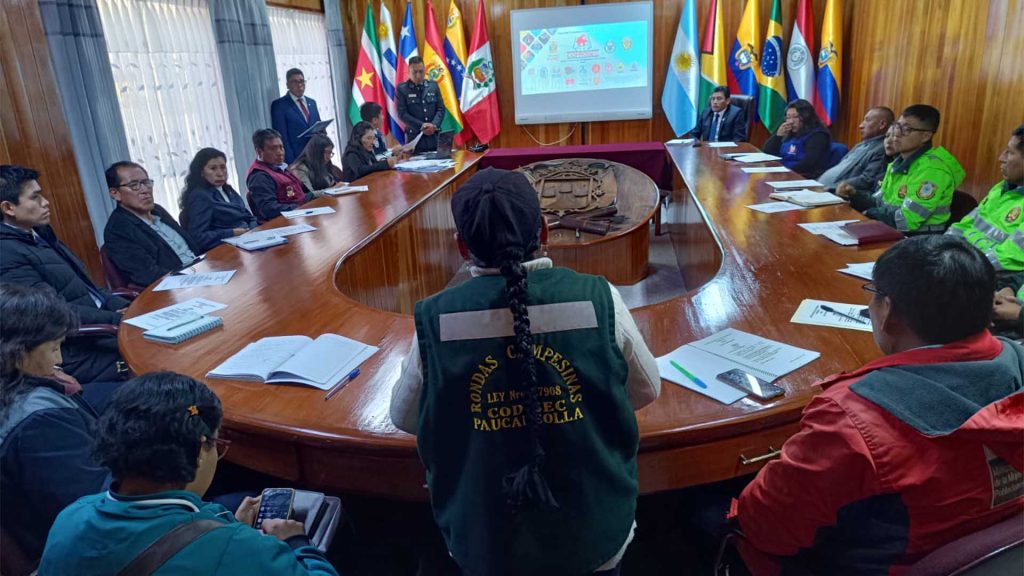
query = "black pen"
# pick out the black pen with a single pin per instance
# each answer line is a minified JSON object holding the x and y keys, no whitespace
{"x":847,"y":316}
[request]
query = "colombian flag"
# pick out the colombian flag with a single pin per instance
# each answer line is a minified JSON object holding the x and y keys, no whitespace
{"x":772,"y":93}
{"x":437,"y":72}
{"x":712,"y":55}
{"x":745,"y":58}
{"x":830,"y":63}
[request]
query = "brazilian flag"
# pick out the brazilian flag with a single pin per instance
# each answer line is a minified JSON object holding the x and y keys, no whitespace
{"x":771,"y":102}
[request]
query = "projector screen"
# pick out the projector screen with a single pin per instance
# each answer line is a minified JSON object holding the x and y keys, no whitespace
{"x":583,"y":63}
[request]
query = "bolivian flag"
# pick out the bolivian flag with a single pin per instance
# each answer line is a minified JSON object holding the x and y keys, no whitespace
{"x":771,"y":102}
{"x":437,"y":72}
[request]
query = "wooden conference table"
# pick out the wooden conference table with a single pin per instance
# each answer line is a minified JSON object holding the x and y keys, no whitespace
{"x":359,"y":274}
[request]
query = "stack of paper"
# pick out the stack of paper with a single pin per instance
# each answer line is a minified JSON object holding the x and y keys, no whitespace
{"x":773,"y":207}
{"x":864,"y":270}
{"x":794,"y":183}
{"x":831,"y":230}
{"x":262,"y":238}
{"x":835,"y":314}
{"x":680,"y":141}
{"x":702,"y":361}
{"x":179,"y":311}
{"x":722,"y":144}
{"x":808,"y":198}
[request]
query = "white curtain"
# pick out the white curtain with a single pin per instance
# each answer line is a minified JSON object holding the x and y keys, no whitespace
{"x":300,"y":41}
{"x":168,"y":82}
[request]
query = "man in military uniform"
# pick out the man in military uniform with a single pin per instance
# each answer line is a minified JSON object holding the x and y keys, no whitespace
{"x":996,"y":227}
{"x":420,"y":107}
{"x":918,"y":186}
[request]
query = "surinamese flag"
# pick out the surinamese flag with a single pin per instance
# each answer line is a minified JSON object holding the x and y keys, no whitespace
{"x":479,"y":101}
{"x":800,"y":58}
{"x":437,"y":72}
{"x":389,"y":71}
{"x":679,"y":100}
{"x":771,"y":96}
{"x":406,"y":45}
{"x":455,"y":57}
{"x":712,"y":55}
{"x":745,"y":56}
{"x":830,"y":63}
{"x":366,"y":83}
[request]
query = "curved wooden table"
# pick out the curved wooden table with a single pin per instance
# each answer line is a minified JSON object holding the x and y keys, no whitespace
{"x":360,"y":273}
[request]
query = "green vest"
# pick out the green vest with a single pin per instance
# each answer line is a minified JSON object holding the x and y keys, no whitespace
{"x":922,"y":187}
{"x":996,"y":227}
{"x":472,"y":425}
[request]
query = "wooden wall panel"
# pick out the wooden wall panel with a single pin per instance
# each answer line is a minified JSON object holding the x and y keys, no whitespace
{"x":33,"y":130}
{"x":961,"y":56}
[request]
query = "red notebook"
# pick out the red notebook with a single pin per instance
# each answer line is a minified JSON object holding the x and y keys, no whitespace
{"x":870,"y":231}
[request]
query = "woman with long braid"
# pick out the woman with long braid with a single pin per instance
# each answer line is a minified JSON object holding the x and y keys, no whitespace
{"x":521,"y":386}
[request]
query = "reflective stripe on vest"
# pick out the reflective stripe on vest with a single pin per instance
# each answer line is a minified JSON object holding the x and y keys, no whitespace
{"x":497,"y":322}
{"x":990,"y":231}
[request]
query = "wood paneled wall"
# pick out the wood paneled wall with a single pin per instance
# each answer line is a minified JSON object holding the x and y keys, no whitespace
{"x":957,"y":55}
{"x":33,"y":130}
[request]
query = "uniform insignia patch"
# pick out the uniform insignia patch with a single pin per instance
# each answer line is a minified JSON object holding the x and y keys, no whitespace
{"x":903,"y":191}
{"x":926,"y":191}
{"x":289,"y":192}
{"x":1013,"y":215}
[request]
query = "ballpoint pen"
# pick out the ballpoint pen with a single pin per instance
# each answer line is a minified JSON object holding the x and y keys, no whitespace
{"x":341,"y":384}
{"x":847,"y":316}
{"x":688,"y":374}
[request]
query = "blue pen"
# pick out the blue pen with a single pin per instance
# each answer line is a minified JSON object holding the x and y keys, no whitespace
{"x":341,"y":384}
{"x":688,"y":374}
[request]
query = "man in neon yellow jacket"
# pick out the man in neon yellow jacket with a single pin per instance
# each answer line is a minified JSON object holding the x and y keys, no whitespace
{"x":918,"y":186}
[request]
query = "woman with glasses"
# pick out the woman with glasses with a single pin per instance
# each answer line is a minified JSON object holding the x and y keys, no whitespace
{"x":801,"y":141}
{"x":211,"y":210}
{"x":45,"y":423}
{"x":160,"y":439}
{"x":359,"y":159}
{"x":314,"y":167}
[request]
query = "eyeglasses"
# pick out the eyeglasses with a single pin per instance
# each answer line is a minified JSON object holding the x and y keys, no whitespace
{"x":870,"y":287}
{"x":136,"y":185}
{"x":902,"y":129}
{"x":293,"y":81}
{"x":222,"y":447}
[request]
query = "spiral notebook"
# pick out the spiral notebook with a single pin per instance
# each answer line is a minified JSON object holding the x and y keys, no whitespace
{"x":184,"y":329}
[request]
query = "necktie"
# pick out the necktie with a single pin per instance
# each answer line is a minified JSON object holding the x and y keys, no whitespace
{"x":715,"y":125}
{"x":302,"y":106}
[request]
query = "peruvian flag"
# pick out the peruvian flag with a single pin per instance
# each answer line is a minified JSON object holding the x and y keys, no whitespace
{"x":801,"y":61}
{"x":366,"y":82}
{"x":479,"y":101}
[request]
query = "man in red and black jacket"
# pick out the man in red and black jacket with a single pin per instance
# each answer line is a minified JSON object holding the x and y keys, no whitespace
{"x":911,"y":451}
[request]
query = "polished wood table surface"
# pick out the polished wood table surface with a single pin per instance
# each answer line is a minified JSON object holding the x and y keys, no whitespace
{"x":360,"y":272}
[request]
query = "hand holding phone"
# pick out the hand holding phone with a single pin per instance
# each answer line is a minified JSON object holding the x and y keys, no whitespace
{"x":751,"y":384}
{"x":275,"y":503}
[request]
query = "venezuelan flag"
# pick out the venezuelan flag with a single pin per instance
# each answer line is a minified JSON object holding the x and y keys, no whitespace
{"x":712,"y":55}
{"x":830,"y":63}
{"x":437,"y":71}
{"x":772,"y":91}
{"x":745,"y":57}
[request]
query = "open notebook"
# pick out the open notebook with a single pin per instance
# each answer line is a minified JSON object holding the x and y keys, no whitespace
{"x":320,"y":363}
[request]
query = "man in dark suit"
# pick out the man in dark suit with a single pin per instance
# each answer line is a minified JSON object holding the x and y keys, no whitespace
{"x":34,"y":256}
{"x":721,"y":121}
{"x":292,"y":114}
{"x":141,"y":238}
{"x":420,"y":107}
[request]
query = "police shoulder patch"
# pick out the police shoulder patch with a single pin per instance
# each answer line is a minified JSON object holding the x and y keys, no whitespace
{"x":903,"y":191}
{"x":1013,"y":215}
{"x":926,"y":191}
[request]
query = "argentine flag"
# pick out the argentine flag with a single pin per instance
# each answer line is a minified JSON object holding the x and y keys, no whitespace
{"x":682,"y":82}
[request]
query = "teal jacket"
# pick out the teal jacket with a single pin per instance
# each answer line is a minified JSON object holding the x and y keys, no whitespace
{"x":99,"y":534}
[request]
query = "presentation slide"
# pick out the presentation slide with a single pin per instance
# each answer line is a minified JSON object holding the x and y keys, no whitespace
{"x":583,"y":63}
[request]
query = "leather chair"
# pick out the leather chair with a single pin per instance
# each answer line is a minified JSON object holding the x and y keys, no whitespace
{"x":746,"y":105}
{"x":996,"y":550}
{"x":252,"y":207}
{"x":836,"y":152}
{"x":117,"y":284}
{"x":960,"y":206}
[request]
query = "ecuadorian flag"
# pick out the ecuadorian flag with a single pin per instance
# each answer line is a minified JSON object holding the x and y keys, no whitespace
{"x":830,"y":63}
{"x":772,"y":93}
{"x":745,"y":57}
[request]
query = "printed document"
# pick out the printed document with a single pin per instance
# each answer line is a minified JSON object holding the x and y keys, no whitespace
{"x":834,"y":314}
{"x":174,"y":282}
{"x":179,"y":311}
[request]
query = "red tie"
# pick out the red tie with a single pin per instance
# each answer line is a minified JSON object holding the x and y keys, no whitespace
{"x":302,"y":106}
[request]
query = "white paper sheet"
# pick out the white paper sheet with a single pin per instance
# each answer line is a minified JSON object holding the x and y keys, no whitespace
{"x":773,"y":207}
{"x":767,"y":358}
{"x":301,"y":213}
{"x":721,"y":145}
{"x":819,"y":228}
{"x":194,"y":280}
{"x":411,"y":145}
{"x":680,"y":141}
{"x":764,"y":169}
{"x":705,"y":367}
{"x":343,"y":190}
{"x":834,"y":314}
{"x":164,"y":316}
{"x":863,"y":270}
{"x":270,"y":233}
{"x":794,"y":183}
{"x":755,"y":157}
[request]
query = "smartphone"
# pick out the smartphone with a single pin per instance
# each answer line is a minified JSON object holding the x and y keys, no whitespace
{"x":757,"y":387}
{"x":275,"y":503}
